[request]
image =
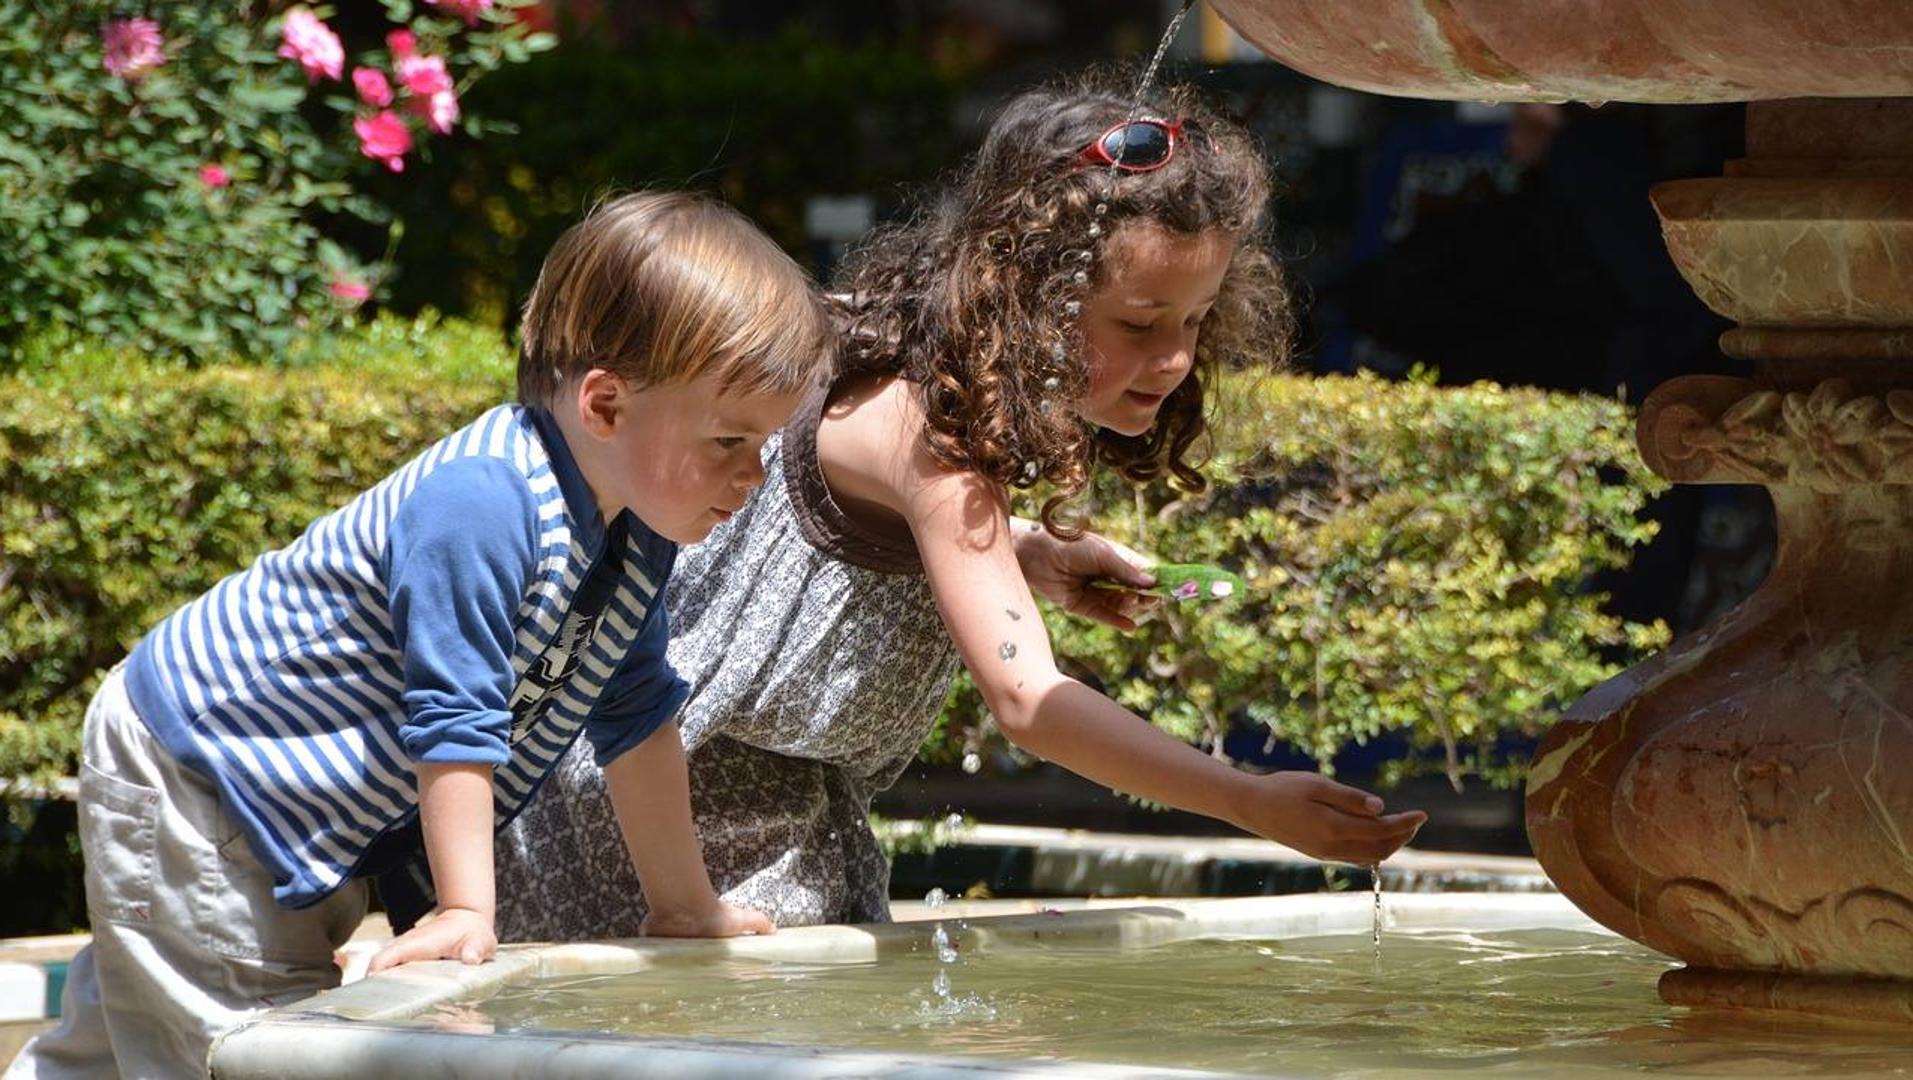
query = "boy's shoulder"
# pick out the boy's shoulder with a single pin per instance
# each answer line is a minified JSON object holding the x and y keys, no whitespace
{"x":503,"y":430}
{"x":496,"y":460}
{"x":505,"y":433}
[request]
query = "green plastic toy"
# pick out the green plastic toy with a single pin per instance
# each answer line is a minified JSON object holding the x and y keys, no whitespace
{"x":1189,"y":581}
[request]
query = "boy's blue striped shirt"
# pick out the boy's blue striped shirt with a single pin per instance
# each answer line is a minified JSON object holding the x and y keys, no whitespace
{"x":471,"y":607}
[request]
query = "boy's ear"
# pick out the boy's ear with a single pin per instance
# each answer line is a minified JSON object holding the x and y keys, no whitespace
{"x":600,"y":396}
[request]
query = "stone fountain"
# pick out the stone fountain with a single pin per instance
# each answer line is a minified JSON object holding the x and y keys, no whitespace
{"x":1744,"y":801}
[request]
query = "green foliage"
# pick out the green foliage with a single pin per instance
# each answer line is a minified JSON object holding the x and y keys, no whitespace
{"x":1417,"y":561}
{"x":1416,"y":557}
{"x":126,"y":489}
{"x":765,"y":123}
{"x":177,"y":207}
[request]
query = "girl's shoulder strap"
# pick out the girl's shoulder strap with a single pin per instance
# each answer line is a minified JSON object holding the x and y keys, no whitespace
{"x":819,"y":515}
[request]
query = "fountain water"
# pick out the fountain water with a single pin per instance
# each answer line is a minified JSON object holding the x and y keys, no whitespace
{"x":1375,"y":927}
{"x":1521,"y":985}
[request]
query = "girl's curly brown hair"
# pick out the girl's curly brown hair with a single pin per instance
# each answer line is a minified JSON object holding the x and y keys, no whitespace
{"x":967,"y":298}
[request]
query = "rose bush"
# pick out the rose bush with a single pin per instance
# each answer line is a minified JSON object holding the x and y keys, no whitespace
{"x":168,"y":169}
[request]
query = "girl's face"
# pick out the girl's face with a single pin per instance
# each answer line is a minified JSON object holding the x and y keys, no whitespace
{"x":1141,"y":326}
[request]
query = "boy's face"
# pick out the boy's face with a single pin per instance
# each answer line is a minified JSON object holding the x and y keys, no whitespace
{"x":681,"y":456}
{"x":1141,"y":326}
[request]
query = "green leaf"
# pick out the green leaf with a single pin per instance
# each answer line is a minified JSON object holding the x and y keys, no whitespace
{"x":268,"y":98}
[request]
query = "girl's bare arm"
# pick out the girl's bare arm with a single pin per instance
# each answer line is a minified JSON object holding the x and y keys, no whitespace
{"x":962,"y":528}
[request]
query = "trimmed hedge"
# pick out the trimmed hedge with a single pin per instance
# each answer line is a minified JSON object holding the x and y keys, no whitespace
{"x":1418,"y":561}
{"x":1416,"y":556}
{"x":128,"y":488}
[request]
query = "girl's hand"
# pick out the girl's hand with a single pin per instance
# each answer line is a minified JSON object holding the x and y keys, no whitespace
{"x":1323,"y":819}
{"x":719,"y":920}
{"x":447,"y":934}
{"x":1061,"y":571}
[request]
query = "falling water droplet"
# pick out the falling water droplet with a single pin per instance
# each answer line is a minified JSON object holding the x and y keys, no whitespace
{"x":935,"y":898}
{"x":1375,"y":926}
{"x":954,"y":821}
{"x":972,"y":762}
{"x":946,"y":949}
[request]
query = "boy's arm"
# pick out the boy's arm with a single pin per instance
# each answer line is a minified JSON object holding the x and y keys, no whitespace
{"x":651,"y":792}
{"x":457,"y":561}
{"x":455,"y":811}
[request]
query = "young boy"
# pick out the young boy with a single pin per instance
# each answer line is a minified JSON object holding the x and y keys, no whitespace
{"x":417,"y":661}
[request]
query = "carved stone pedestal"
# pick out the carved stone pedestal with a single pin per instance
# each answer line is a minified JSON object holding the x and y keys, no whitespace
{"x":1745,"y":801}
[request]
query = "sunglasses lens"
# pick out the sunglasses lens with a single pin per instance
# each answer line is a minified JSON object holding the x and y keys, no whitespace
{"x":1138,"y":146}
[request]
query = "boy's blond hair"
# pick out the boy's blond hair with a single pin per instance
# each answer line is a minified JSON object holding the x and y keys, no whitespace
{"x":661,"y":286}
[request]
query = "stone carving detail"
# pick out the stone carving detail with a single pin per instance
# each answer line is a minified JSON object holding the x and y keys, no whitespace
{"x":1827,"y":440}
{"x":1742,"y":801}
{"x":1648,"y":50}
{"x":1873,"y":925}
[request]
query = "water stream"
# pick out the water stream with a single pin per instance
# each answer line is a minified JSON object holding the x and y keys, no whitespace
{"x":1375,"y":927}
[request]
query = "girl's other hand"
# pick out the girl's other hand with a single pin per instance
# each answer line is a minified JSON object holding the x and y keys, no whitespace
{"x":719,"y":920}
{"x":1323,"y":819}
{"x":447,"y":934}
{"x":1064,"y":572}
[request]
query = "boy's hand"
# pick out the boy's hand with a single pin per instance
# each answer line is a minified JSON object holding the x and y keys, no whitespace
{"x":1061,"y":571}
{"x":1323,"y":819}
{"x":448,"y":934}
{"x":719,"y":920}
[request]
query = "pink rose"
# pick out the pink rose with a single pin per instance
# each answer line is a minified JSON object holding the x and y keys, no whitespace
{"x":312,"y":43}
{"x":469,"y":10}
{"x":372,"y":87}
{"x":425,"y":75}
{"x":402,"y":43}
{"x":214,"y":175}
{"x":384,"y":137}
{"x":441,"y":111}
{"x":353,"y":292}
{"x":133,"y":47}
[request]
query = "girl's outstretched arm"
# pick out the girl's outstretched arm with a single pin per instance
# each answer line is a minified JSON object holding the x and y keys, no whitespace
{"x":961,"y":524}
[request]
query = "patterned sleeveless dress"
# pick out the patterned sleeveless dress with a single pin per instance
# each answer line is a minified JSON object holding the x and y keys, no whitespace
{"x":817,"y":662}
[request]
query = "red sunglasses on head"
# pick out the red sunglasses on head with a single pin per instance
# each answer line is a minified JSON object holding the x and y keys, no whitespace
{"x":1134,"y":146}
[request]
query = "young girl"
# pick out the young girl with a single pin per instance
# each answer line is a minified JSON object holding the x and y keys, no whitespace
{"x":1060,"y":308}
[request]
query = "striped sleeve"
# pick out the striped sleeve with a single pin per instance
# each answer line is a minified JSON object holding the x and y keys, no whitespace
{"x":645,"y":692}
{"x":462,"y":552}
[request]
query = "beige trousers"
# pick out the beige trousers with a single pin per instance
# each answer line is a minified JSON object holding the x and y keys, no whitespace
{"x":187,"y":939}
